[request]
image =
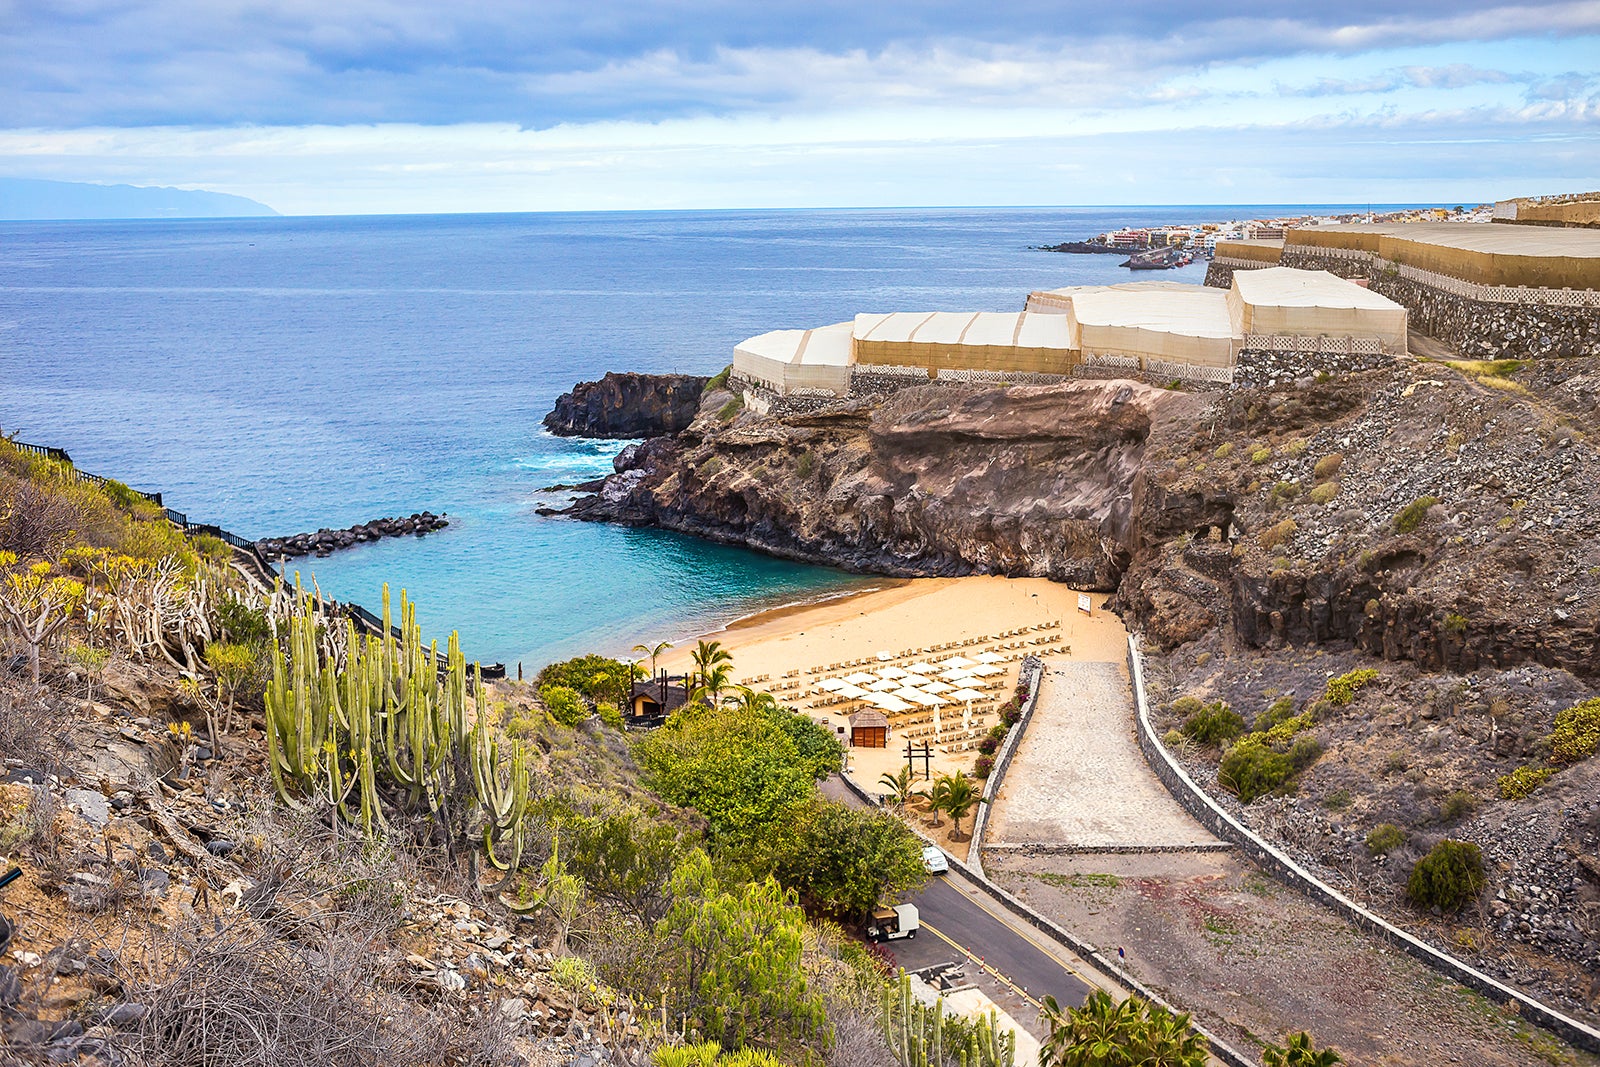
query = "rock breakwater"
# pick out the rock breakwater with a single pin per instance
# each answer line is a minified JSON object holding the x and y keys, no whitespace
{"x":326,"y":541}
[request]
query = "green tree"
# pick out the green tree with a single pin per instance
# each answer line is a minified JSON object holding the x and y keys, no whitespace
{"x":1450,"y":875}
{"x":1299,"y":1051}
{"x":594,"y":677}
{"x":842,"y":861}
{"x":565,"y":704}
{"x":626,"y":858}
{"x":959,"y":797}
{"x":900,"y":787}
{"x":820,"y":751}
{"x":732,"y":960}
{"x":1133,"y":1033}
{"x":936,"y":795}
{"x":739,"y":769}
{"x":713,"y":684}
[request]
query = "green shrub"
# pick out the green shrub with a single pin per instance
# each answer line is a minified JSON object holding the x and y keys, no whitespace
{"x":983,"y":766}
{"x":1413,"y":514}
{"x":1457,"y":806}
{"x":1342,"y":690}
{"x":1337,"y":800}
{"x":1577,"y":733}
{"x":609,"y":714}
{"x":1455,"y":624}
{"x":731,"y":408}
{"x":1224,"y":450}
{"x":1297,"y":447}
{"x":988,"y":745}
{"x":1214,"y":724}
{"x":804,"y":465}
{"x":1280,"y":534}
{"x":1328,"y":466}
{"x":1250,"y":769}
{"x":1261,"y":455}
{"x":1385,"y":837}
{"x":1323,"y":493}
{"x":1304,"y":752}
{"x":1286,"y":490}
{"x":1450,"y":875}
{"x":1187,"y":705}
{"x":1281,"y":710}
{"x":564,"y":704}
{"x":708,"y":469}
{"x":719,"y":380}
{"x":1524,"y":780}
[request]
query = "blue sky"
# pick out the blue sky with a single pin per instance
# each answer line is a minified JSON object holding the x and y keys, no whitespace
{"x":382,"y":105}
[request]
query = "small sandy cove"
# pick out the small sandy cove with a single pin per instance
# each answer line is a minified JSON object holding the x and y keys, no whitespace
{"x":799,"y":653}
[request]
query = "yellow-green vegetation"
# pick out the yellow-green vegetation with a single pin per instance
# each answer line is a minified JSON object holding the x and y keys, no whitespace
{"x":1577,"y":733}
{"x":564,"y":704}
{"x":1280,"y":534}
{"x":1286,"y":490}
{"x":1105,"y":1032}
{"x":1261,"y":455}
{"x":1494,"y":373}
{"x":1266,"y":761}
{"x":1457,"y":805}
{"x":1297,"y":447}
{"x":1213,"y":724}
{"x":1450,"y":875}
{"x":1521,"y":783}
{"x":1413,"y":514}
{"x":719,"y":380}
{"x":1278,"y":712}
{"x":1224,"y":450}
{"x":731,"y":408}
{"x":1322,"y":494}
{"x":1328,"y":466}
{"x":1343,"y":689}
{"x":1385,"y":837}
{"x":1455,"y":623}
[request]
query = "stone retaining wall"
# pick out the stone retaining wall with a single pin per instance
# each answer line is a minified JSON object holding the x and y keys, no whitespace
{"x":1212,"y":816}
{"x":1257,"y":367}
{"x":1032,"y":672}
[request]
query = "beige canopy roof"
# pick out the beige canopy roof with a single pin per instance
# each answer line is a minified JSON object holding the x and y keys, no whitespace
{"x":815,"y":360}
{"x":1183,"y":323}
{"x":1280,"y":301}
{"x":966,"y":340}
{"x":1488,"y":254}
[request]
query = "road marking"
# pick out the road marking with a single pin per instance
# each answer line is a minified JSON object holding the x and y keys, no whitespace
{"x":1032,"y":937}
{"x":972,"y":957}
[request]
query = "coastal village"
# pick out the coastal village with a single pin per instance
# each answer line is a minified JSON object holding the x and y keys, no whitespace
{"x":1180,"y":666}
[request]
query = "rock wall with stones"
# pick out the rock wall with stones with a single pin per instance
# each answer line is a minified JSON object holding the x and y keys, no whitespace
{"x":1475,"y":328}
{"x":1267,"y":368}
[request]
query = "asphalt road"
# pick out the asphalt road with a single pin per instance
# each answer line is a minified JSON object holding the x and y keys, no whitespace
{"x":998,"y":952}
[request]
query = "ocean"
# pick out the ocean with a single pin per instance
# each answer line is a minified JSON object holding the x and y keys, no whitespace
{"x":278,"y":375}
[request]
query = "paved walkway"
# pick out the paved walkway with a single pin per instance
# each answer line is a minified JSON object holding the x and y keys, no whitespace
{"x":1079,"y":781}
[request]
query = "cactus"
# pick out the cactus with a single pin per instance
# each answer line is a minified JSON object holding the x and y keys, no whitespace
{"x":915,"y":1033}
{"x":352,"y":720}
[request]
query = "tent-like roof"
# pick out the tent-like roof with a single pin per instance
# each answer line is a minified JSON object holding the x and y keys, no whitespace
{"x":869,"y":718}
{"x":1282,"y":301}
{"x":785,"y":360}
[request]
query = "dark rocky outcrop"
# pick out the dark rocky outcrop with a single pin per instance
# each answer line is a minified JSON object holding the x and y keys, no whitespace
{"x":325,"y":541}
{"x":1197,"y":509}
{"x":627,"y":405}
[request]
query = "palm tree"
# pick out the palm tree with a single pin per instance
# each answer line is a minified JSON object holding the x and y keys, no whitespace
{"x":1299,"y":1052}
{"x":936,"y":795}
{"x":751,"y":700}
{"x":899,"y":786}
{"x":960,"y":797}
{"x":1103,"y":1033}
{"x":707,"y":655}
{"x":654,"y":652}
{"x":713,"y":683}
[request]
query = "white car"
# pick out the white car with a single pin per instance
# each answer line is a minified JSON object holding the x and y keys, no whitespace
{"x":933,"y":859}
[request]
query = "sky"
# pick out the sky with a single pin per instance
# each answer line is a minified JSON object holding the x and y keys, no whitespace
{"x":380,"y":106}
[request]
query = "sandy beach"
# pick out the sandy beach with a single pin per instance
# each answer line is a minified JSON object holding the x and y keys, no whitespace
{"x":792,"y":651}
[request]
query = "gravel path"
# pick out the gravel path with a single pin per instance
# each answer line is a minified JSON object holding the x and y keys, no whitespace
{"x":1079,"y":779}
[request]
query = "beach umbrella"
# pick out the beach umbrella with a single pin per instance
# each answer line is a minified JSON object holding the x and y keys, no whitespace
{"x":937,"y":687}
{"x":832,"y":685}
{"x":957,"y":661}
{"x":965,"y":694}
{"x":922,"y":667}
{"x":966,"y":718}
{"x":938,"y":727}
{"x":917,"y":696}
{"x":884,"y":685}
{"x":984,"y":670}
{"x":891,"y":672}
{"x":991,"y":657}
{"x":854,"y":692}
{"x":919,"y":681}
{"x":888,"y":702}
{"x":861,"y":678}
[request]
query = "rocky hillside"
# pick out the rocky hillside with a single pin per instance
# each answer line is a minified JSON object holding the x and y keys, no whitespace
{"x":1419,"y":512}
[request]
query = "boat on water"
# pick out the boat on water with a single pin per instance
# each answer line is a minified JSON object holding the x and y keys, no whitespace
{"x":1159,"y":259}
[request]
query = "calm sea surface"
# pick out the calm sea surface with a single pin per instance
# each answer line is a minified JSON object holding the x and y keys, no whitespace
{"x":284,"y":374}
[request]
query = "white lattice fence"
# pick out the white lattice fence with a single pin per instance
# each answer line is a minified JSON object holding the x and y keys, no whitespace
{"x":1195,"y":372}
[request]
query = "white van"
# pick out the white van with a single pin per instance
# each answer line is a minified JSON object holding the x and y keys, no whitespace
{"x":891,"y":924}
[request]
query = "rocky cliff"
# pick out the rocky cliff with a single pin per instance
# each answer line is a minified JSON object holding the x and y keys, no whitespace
{"x":627,"y":405}
{"x":1416,"y":512}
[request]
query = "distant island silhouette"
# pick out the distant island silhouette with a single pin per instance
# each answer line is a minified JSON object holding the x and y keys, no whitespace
{"x":34,"y":198}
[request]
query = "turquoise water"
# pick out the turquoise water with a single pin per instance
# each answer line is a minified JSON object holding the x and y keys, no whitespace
{"x":284,"y":374}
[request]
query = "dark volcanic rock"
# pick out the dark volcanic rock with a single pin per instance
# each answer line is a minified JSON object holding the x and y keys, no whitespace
{"x":325,"y":541}
{"x":627,"y":405}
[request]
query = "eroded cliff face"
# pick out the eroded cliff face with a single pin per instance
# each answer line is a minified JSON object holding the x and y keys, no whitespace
{"x":627,"y":405}
{"x":940,"y":480}
{"x":1271,"y":514}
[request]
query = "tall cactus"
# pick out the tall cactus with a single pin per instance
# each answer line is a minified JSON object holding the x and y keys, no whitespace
{"x":358,"y":720}
{"x":915,"y":1033}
